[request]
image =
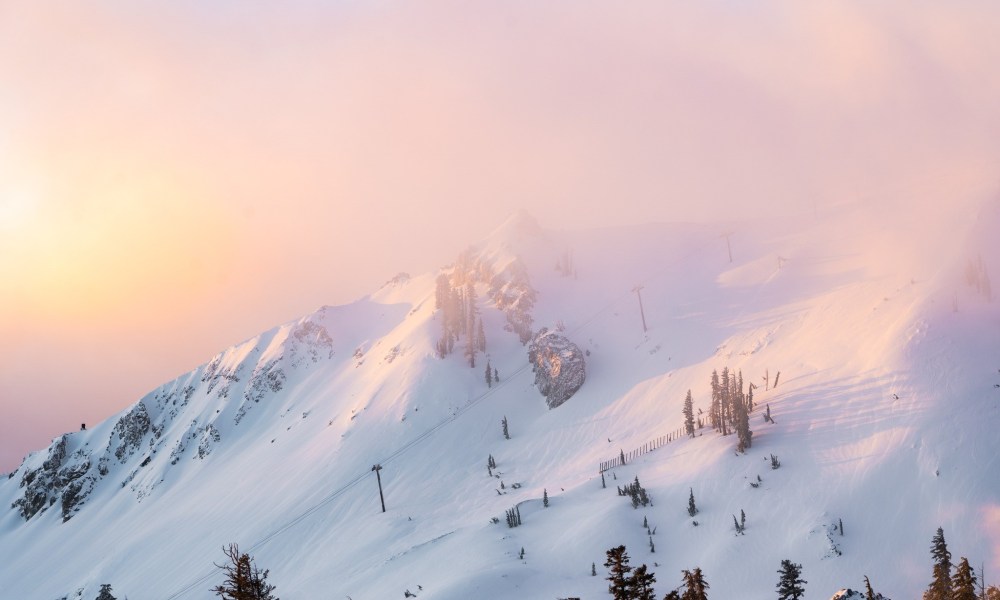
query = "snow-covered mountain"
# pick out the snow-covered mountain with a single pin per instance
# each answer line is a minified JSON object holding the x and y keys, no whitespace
{"x":876,"y":349}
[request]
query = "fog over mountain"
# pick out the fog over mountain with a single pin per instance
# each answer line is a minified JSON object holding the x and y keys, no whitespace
{"x":872,"y":356}
{"x":176,"y":176}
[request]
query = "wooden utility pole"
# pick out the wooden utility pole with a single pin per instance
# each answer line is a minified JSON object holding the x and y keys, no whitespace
{"x":378,"y":476}
{"x":729,"y":247}
{"x":642,"y":313}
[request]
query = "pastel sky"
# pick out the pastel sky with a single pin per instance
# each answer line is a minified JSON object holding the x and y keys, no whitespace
{"x":176,"y":176}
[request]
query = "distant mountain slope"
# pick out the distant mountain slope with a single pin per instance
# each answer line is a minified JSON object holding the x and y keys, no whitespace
{"x":884,"y":411}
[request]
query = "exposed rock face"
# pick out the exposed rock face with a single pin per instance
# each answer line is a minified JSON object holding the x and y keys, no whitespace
{"x":129,"y":431}
{"x":56,"y":479}
{"x":512,"y":293}
{"x":311,"y":341}
{"x":75,"y":463}
{"x":558,"y":365}
{"x":849,"y":594}
{"x":41,"y":485}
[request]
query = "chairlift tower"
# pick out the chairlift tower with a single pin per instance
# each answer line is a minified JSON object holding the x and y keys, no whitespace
{"x":637,"y":289}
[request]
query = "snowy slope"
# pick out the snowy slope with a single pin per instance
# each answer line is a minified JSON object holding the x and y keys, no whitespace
{"x":885,"y":417}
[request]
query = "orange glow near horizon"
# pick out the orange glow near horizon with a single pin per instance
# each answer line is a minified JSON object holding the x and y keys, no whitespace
{"x":178,"y":176}
{"x":101,"y":246}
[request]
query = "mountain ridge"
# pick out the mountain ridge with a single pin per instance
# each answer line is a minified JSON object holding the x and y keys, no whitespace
{"x":364,"y":379}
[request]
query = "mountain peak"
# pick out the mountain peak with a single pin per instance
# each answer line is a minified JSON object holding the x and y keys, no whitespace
{"x":520,"y":224}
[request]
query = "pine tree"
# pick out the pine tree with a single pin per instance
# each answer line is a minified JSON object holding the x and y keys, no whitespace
{"x":471,"y":341}
{"x":869,"y":592}
{"x":742,"y":425}
{"x":696,"y":585}
{"x":791,"y":582}
{"x":442,"y":292}
{"x":470,"y":354}
{"x":743,"y":520}
{"x":692,"y":509}
{"x":506,"y":433}
{"x":618,"y":577}
{"x":642,"y":584}
{"x":963,"y":585}
{"x":496,"y":375}
{"x":489,"y":374}
{"x":724,"y":401}
{"x":455,"y":315}
{"x":244,"y":581}
{"x":688,"y":414}
{"x":105,"y":593}
{"x":940,"y":587}
{"x":715,"y":409}
{"x":545,"y":497}
{"x":481,"y":337}
{"x":593,"y":570}
{"x":992,"y":593}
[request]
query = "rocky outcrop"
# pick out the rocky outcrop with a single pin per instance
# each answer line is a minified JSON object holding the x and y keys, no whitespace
{"x":59,"y":478}
{"x":129,"y":431}
{"x":41,"y":485}
{"x":309,"y":341}
{"x":267,"y":377}
{"x":215,"y":373}
{"x":512,"y":293}
{"x":559,"y":366}
{"x":849,"y":594}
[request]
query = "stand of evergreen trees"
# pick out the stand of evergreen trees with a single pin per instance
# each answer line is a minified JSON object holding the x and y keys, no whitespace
{"x":460,"y":317}
{"x":963,"y":584}
{"x":626,"y":583}
{"x":730,"y":408}
{"x":636,"y":492}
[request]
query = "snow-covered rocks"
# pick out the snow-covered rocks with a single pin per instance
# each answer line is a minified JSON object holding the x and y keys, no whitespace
{"x":558,"y":365}
{"x":59,"y":478}
{"x":849,"y":594}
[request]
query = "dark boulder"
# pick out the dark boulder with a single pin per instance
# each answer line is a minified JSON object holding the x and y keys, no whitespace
{"x":558,"y":365}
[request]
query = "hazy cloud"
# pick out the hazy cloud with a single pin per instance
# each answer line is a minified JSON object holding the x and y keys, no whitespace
{"x":176,"y":176}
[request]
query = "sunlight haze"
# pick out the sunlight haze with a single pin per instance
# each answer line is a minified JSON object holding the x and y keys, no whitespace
{"x":176,"y":177}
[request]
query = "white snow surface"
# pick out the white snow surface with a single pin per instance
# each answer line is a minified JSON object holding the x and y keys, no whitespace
{"x":886,"y":416}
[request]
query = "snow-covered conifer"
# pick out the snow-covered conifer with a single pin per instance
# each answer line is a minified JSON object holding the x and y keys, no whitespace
{"x":790,"y":585}
{"x":940,"y":587}
{"x":688,"y":412}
